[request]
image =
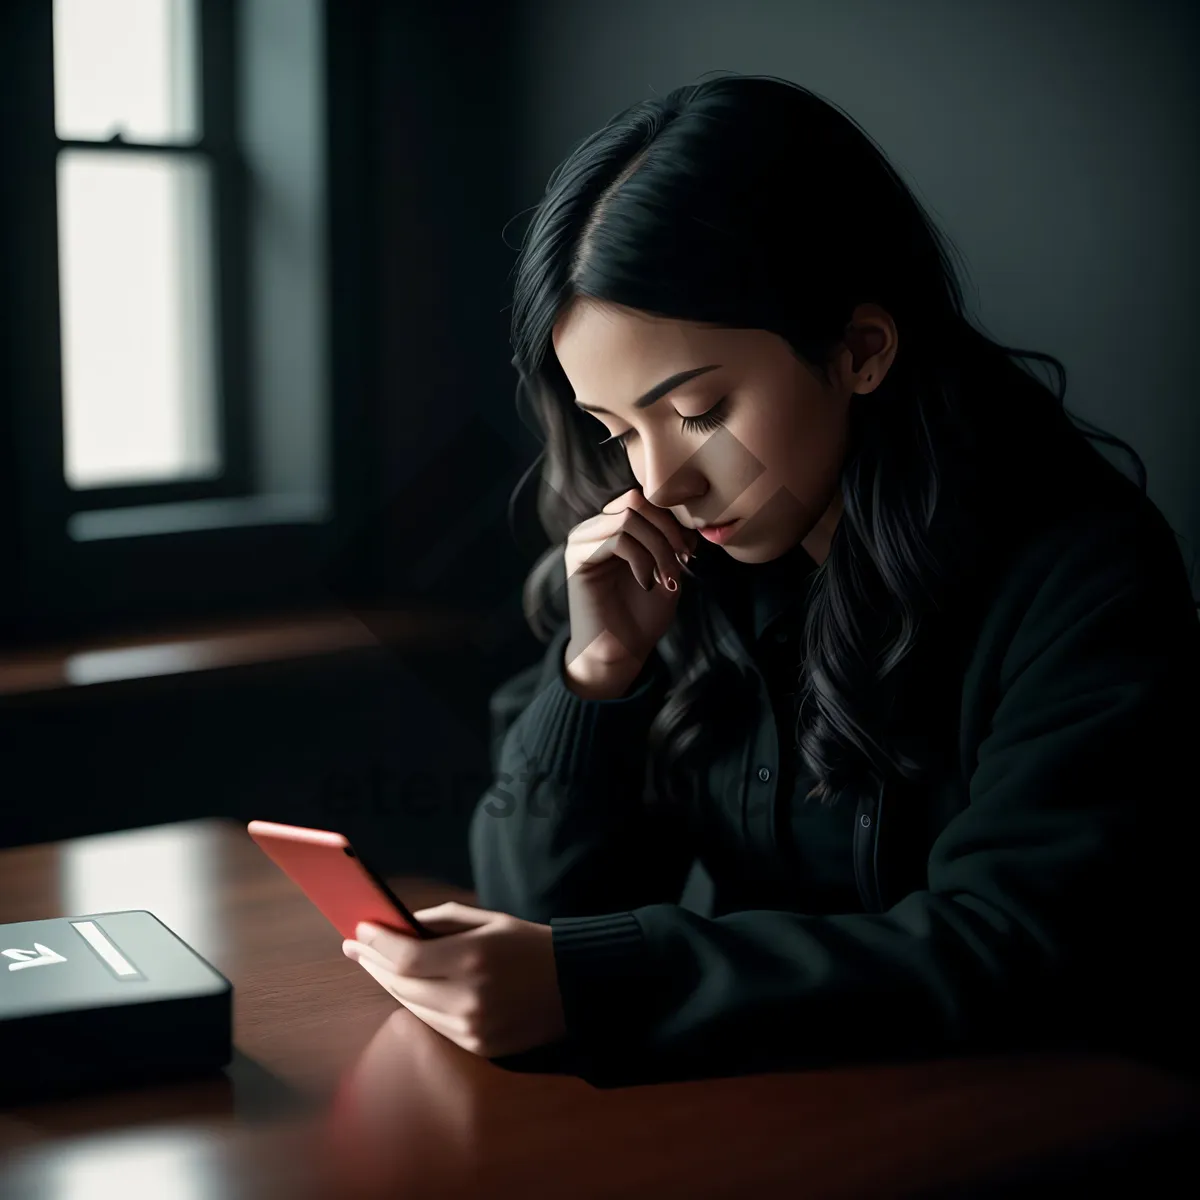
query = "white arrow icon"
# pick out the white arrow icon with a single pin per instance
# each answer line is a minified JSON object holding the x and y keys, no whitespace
{"x":39,"y":956}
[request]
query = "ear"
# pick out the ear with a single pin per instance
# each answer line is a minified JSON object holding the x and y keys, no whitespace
{"x":872,"y":340}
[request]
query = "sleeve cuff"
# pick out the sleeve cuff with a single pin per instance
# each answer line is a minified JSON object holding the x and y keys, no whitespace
{"x":561,"y":729}
{"x":602,"y":967}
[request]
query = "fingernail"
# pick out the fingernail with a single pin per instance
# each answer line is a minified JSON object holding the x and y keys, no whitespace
{"x":682,"y":556}
{"x":656,"y":576}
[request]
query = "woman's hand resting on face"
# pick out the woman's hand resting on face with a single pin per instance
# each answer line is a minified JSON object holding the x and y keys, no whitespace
{"x":617,"y":611}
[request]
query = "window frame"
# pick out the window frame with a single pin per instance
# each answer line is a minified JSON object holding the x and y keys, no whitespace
{"x":217,"y":74}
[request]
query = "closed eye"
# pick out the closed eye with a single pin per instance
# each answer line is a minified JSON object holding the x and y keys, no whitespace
{"x":704,"y":423}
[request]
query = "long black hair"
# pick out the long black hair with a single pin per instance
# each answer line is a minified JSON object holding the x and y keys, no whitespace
{"x":751,"y":202}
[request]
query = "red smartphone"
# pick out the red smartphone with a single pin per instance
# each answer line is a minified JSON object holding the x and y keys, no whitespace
{"x":332,"y":875}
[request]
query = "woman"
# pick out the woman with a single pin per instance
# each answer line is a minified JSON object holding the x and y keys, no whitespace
{"x":919,"y":698}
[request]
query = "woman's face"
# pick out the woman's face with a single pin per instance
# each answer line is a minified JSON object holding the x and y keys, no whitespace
{"x":770,"y":451}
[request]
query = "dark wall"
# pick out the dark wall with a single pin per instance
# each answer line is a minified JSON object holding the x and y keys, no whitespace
{"x":428,"y":97}
{"x":1054,"y":143}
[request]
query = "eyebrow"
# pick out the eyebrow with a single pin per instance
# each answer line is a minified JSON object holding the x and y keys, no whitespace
{"x":658,"y":390}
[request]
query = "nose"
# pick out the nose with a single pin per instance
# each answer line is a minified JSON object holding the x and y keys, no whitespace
{"x":668,"y":482}
{"x":677,"y":491}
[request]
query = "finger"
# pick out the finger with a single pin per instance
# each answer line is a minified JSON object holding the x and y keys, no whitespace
{"x":606,"y":539}
{"x":452,"y":916}
{"x":361,"y":953}
{"x":386,"y":980}
{"x":635,"y":531}
{"x":396,"y":951}
{"x":625,"y":533}
{"x":403,"y":990}
{"x":407,"y":954}
{"x":422,"y":958}
{"x":446,"y":918}
{"x":442,"y":995}
{"x":682,"y":540}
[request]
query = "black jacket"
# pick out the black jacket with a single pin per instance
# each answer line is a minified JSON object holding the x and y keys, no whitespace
{"x":1036,"y":888}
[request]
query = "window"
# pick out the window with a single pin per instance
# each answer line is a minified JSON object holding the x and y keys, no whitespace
{"x":166,"y":435}
{"x":149,"y":293}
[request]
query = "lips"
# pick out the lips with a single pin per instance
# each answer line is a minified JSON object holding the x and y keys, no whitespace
{"x":721,"y":533}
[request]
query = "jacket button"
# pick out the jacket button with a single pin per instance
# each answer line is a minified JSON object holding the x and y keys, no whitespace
{"x":764,"y":773}
{"x":865,"y":821}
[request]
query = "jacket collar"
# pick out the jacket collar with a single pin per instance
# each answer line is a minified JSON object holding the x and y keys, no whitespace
{"x":753,"y":595}
{"x":780,"y":586}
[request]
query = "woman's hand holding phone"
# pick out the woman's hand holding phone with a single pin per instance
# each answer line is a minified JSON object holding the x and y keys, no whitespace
{"x":617,"y":611}
{"x":487,"y":980}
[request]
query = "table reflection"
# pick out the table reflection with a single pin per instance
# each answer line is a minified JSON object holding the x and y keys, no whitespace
{"x":171,"y":871}
{"x":406,"y":1116}
{"x":182,"y":1163}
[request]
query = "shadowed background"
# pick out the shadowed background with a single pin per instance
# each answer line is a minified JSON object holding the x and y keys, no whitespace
{"x":315,"y":641}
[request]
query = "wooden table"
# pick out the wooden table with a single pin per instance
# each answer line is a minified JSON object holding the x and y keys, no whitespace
{"x":338,"y":1091}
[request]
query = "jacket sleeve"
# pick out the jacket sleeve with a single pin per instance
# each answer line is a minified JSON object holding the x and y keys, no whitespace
{"x":1053,"y":908}
{"x":564,"y":830}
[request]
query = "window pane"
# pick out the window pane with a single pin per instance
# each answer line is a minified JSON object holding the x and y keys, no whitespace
{"x":139,"y":396}
{"x":126,"y":66}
